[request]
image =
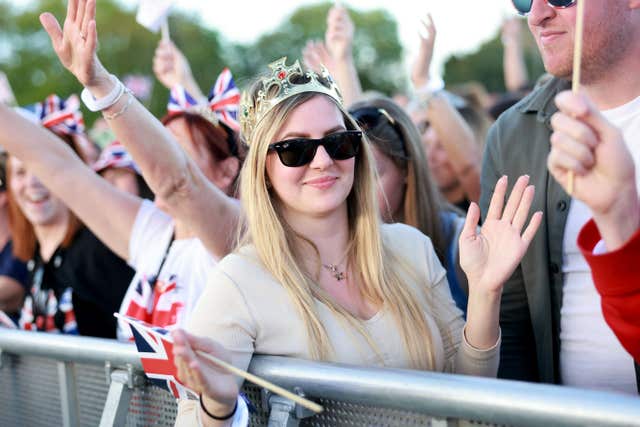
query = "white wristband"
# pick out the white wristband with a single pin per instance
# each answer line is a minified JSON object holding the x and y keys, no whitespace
{"x":103,"y":103}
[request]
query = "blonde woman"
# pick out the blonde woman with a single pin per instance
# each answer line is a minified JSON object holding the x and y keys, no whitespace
{"x":318,"y":277}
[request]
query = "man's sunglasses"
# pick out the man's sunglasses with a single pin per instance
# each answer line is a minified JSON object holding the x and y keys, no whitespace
{"x":301,"y":151}
{"x":524,"y":6}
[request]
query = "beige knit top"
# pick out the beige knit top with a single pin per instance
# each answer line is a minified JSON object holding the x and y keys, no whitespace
{"x":245,"y":309}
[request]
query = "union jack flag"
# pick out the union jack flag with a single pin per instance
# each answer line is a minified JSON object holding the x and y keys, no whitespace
{"x":180,"y":100}
{"x":155,"y":302}
{"x":224,"y":99}
{"x":155,"y":348}
{"x":60,"y":115}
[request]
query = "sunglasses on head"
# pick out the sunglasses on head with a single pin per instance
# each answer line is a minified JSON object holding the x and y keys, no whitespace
{"x":524,"y":6}
{"x":370,"y":117}
{"x":301,"y":151}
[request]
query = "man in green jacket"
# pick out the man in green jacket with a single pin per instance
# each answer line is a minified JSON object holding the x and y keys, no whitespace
{"x":552,"y":325}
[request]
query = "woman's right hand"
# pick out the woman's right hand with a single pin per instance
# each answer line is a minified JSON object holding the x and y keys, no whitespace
{"x":218,"y":388}
{"x":76,"y":42}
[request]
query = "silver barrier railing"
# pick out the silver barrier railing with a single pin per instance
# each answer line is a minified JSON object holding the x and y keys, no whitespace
{"x":445,"y":399}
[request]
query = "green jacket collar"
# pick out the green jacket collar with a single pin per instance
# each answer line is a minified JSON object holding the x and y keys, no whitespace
{"x":540,"y":101}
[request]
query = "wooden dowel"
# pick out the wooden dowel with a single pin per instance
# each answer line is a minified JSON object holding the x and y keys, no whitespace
{"x":577,"y":64}
{"x":262,"y":383}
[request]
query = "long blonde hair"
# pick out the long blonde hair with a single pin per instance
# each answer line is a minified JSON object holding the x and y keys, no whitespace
{"x":369,"y":257}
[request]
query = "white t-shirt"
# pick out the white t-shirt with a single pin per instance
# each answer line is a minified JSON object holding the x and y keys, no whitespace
{"x":590,"y":354}
{"x":186,"y":266}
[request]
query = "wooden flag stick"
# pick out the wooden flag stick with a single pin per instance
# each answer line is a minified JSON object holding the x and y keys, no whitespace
{"x":577,"y":63}
{"x":262,"y":382}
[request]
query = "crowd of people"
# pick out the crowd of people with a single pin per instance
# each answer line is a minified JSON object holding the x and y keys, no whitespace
{"x":310,"y":219}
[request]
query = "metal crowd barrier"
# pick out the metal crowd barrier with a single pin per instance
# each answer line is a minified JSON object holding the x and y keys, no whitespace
{"x":51,"y":380}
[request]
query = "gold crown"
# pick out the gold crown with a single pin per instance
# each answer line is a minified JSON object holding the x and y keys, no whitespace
{"x":280,"y":81}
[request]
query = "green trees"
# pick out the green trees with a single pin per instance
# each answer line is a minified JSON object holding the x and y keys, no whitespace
{"x":485,"y":64}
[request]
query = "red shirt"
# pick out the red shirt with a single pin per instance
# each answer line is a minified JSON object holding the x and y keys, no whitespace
{"x":616,"y":275}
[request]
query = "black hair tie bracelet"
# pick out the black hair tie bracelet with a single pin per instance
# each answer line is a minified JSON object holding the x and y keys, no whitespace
{"x":226,"y":417}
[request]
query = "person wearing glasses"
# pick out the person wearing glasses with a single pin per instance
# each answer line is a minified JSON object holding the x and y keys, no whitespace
{"x":606,"y":181}
{"x":406,"y":190}
{"x":552,"y":323}
{"x":317,"y":276}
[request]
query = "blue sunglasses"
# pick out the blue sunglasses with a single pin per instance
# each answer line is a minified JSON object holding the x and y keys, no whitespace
{"x":524,"y":6}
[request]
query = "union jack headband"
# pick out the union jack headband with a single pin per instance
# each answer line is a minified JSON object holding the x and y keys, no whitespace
{"x":60,"y":115}
{"x":115,"y":156}
{"x":223,"y":101}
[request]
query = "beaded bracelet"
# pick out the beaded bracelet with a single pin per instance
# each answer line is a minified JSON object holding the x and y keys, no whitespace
{"x":123,"y":110}
{"x":226,"y":417}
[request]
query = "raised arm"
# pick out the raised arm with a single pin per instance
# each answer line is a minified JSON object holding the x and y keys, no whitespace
{"x":458,"y":141}
{"x":453,"y":132}
{"x":89,"y":196}
{"x":175,"y":179}
{"x":422,"y":63}
{"x":515,"y":70}
{"x":339,"y":41}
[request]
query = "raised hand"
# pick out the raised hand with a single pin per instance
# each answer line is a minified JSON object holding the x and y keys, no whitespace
{"x":489,"y":257}
{"x":170,"y":66}
{"x":315,"y":54}
{"x":422,"y":63}
{"x":76,"y":42}
{"x":218,"y":388}
{"x":339,"y":34}
{"x":512,"y":32}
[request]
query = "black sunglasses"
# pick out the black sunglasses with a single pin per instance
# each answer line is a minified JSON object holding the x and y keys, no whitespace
{"x":524,"y":6}
{"x":301,"y":151}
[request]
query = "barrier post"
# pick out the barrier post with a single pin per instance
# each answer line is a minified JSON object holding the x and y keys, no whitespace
{"x":116,"y":407}
{"x":284,"y":412}
{"x":68,"y":394}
